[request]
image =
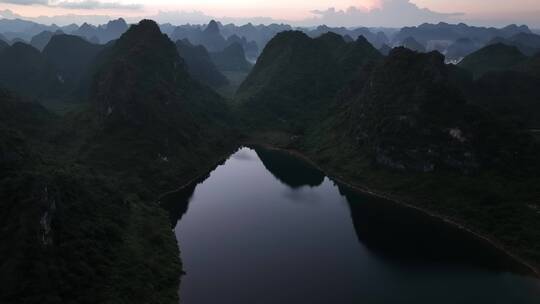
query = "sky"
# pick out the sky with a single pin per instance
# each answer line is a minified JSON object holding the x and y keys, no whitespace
{"x":388,"y":13}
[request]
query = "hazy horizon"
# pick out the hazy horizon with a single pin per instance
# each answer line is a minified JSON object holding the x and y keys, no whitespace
{"x":349,"y":13}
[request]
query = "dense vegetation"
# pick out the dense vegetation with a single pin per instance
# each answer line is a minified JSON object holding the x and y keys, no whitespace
{"x":78,"y":192}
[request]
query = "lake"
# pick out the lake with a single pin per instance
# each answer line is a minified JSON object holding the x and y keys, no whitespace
{"x":266,"y":227}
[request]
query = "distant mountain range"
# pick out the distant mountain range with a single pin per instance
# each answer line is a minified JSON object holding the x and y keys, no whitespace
{"x":215,"y":36}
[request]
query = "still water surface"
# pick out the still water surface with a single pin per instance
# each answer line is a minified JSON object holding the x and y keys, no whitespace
{"x":265,"y":227}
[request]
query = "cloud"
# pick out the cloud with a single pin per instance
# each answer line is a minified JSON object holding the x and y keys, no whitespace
{"x":391,"y":13}
{"x":199,"y":17}
{"x":25,"y":2}
{"x":77,"y":4}
{"x":94,"y":4}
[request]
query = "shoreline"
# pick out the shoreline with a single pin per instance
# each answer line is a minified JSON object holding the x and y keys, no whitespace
{"x":364,"y":190}
{"x":535,"y":272}
{"x":199,"y":176}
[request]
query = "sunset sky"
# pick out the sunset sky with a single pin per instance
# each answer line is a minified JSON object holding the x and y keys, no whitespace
{"x":384,"y":12}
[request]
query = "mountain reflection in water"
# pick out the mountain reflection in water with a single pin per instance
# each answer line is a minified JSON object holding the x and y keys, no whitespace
{"x":265,"y":227}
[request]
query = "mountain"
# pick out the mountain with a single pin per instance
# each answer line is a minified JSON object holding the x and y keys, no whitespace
{"x":527,"y":43}
{"x":148,"y":110}
{"x":376,"y":39}
{"x":414,"y":45}
{"x":188,"y":32}
{"x":531,"y":66}
{"x":250,"y":48}
{"x":385,"y":49}
{"x":413,"y":118}
{"x":23,"y":29}
{"x":492,"y":58}
{"x":3,"y":45}
{"x":71,"y":57}
{"x":296,"y":76}
{"x":24,"y":118}
{"x":232,"y":58}
{"x":112,"y":30}
{"x":86,"y":31}
{"x":512,"y":95}
{"x":73,"y":235}
{"x":103,"y":33}
{"x":211,"y":38}
{"x":25,"y":70}
{"x":260,"y":34}
{"x":40,"y":40}
{"x":199,"y":64}
{"x":461,"y":48}
{"x":80,"y":219}
{"x":443,"y":31}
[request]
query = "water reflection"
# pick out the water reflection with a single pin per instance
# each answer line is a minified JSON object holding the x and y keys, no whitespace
{"x":409,"y":238}
{"x":291,"y":171}
{"x":267,"y":228}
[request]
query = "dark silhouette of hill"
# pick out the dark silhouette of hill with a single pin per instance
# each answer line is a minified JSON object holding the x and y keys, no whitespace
{"x":250,"y":47}
{"x":292,"y":172}
{"x":512,"y":95}
{"x":40,"y":40}
{"x":148,"y":110}
{"x":78,"y":192}
{"x":527,"y":43}
{"x":200,"y":65}
{"x":376,"y":39}
{"x":80,"y":218}
{"x":461,"y":48}
{"x":492,"y":58}
{"x":25,"y":70}
{"x":444,"y":31}
{"x":413,"y":45}
{"x":413,"y":118}
{"x":63,"y":222}
{"x":103,"y":33}
{"x":71,"y":56}
{"x":211,"y":37}
{"x":296,"y":77}
{"x":385,"y":49}
{"x":232,"y":58}
{"x":3,"y":39}
{"x":3,"y":45}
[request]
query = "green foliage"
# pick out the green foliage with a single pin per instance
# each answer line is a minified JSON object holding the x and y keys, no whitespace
{"x":78,"y":192}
